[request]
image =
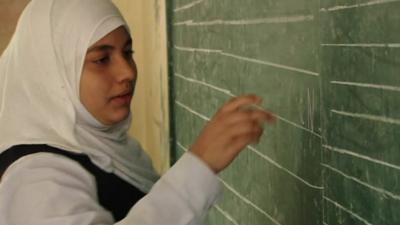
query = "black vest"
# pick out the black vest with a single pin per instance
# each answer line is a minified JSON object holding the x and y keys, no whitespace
{"x":114,"y":194}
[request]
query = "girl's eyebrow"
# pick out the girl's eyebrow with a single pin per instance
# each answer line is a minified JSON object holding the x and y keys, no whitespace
{"x":106,"y":47}
{"x":100,"y":48}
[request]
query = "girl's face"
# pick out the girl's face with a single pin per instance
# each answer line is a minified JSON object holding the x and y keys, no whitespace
{"x":108,"y":77}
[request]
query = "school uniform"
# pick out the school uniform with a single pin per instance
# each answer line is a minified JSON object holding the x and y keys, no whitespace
{"x":46,"y":185}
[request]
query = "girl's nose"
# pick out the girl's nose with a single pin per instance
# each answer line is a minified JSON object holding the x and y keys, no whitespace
{"x":126,"y":70}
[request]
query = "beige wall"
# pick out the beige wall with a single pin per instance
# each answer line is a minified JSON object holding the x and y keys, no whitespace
{"x":150,"y":104}
{"x":147,"y":20}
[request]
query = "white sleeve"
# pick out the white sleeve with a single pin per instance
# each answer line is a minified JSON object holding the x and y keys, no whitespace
{"x":49,"y":189}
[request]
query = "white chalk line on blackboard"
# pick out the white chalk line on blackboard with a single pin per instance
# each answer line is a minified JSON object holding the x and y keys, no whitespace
{"x":229,"y":93}
{"x":363,"y":45}
{"x":377,"y":189}
{"x":243,"y":58}
{"x":192,"y":111}
{"x":382,"y":119}
{"x":254,"y":150}
{"x":227,"y":216}
{"x":310,"y":107}
{"x":270,"y":64}
{"x":244,"y":199}
{"x":204,"y":50}
{"x":283,"y":168}
{"x":367,"y":85}
{"x":297,"y":125}
{"x":249,"y":202}
{"x":347,"y":210}
{"x":268,"y":20}
{"x":225,"y":91}
{"x":370,"y":3}
{"x":188,"y":6}
{"x":357,"y":155}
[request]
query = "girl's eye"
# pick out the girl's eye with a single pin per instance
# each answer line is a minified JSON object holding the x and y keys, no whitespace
{"x":129,"y":53}
{"x":102,"y":60}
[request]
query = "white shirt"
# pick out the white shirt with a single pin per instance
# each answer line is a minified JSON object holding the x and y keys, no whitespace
{"x":49,"y":189}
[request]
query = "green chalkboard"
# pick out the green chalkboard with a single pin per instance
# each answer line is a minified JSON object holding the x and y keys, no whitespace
{"x":329,"y":70}
{"x":360,"y":68}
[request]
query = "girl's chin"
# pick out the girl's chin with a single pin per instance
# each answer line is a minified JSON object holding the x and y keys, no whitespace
{"x":116,"y":116}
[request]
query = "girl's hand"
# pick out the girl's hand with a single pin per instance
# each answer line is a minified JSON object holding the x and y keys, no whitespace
{"x":235,"y":125}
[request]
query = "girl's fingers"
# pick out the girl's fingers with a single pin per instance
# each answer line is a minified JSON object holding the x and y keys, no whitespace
{"x":238,"y":144}
{"x":252,"y":128}
{"x":238,"y":102}
{"x":249,"y":115}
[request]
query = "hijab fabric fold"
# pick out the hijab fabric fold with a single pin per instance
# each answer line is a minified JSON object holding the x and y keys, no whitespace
{"x":40,"y":72}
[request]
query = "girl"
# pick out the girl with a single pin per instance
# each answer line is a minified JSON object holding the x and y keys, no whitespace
{"x":66,"y":82}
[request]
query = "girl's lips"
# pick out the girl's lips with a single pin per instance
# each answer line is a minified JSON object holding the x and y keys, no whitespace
{"x":122,"y":99}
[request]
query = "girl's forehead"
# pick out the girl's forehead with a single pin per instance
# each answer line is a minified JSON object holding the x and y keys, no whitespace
{"x":119,"y":37}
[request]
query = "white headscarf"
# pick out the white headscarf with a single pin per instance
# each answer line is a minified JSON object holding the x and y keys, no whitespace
{"x":39,"y":87}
